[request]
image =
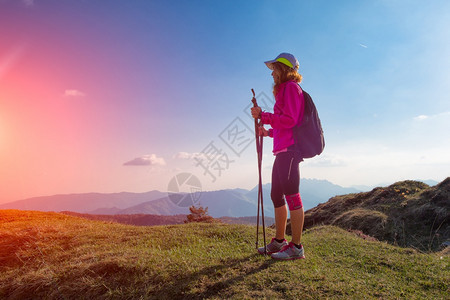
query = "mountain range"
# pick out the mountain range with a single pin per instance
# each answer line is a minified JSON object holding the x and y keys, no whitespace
{"x":229,"y":202}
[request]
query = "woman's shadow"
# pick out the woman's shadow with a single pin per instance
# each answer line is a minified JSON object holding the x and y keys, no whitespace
{"x":178,"y":287}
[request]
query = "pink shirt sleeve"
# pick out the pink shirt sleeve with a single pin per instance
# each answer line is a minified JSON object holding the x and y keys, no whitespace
{"x":288,"y":112}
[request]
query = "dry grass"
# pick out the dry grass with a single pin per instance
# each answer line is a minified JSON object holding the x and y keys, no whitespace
{"x":55,"y":256}
{"x":407,"y":213}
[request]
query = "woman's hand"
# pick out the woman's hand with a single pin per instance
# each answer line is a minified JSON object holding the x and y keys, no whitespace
{"x":256,"y":112}
{"x":262,"y":131}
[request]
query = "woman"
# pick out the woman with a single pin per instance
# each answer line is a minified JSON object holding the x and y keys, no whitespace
{"x":287,"y":116}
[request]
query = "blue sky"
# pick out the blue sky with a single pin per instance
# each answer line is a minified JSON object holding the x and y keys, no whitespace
{"x":86,"y":87}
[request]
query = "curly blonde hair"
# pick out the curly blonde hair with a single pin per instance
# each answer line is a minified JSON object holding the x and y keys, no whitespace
{"x":287,"y":73}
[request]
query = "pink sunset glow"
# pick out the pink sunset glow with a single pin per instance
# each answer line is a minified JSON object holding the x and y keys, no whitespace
{"x":123,"y":95}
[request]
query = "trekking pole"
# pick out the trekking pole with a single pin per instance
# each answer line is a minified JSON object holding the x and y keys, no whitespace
{"x":259,"y":147}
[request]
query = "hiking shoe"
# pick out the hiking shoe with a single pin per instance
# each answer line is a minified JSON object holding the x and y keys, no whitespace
{"x":273,"y":247}
{"x":289,"y":252}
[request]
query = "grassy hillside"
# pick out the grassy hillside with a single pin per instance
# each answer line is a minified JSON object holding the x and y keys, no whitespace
{"x":407,"y":213}
{"x":56,"y":256}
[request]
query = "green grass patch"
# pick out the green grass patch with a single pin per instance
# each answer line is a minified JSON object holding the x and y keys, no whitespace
{"x":55,"y":256}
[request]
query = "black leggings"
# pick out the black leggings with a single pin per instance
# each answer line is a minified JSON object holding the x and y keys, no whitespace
{"x":285,"y":177}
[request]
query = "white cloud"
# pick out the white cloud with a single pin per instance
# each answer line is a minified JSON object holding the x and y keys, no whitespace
{"x":186,"y":155}
{"x":327,"y":160}
{"x":425,"y":117}
{"x":74,"y":93}
{"x":421,"y":118}
{"x":146,"y":160}
{"x":362,"y":45}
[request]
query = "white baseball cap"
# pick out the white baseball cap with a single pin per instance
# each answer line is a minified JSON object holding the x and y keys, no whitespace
{"x":284,"y":58}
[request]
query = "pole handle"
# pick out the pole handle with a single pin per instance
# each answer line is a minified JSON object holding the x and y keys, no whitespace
{"x":254,"y":99}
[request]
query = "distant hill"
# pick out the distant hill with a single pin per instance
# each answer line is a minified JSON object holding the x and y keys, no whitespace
{"x":83,"y":203}
{"x":366,"y":188}
{"x":230,"y":202}
{"x":407,"y":213}
{"x":430,"y":182}
{"x":239,"y":202}
{"x":313,"y":192}
{"x":220,"y":203}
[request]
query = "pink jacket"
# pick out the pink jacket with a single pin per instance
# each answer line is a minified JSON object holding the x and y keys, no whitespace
{"x":288,"y":113}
